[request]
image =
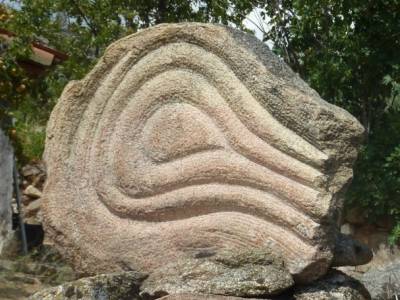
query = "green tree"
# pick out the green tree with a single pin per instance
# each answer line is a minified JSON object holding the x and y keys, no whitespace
{"x":84,"y":28}
{"x":348,"y":52}
{"x":17,"y":90}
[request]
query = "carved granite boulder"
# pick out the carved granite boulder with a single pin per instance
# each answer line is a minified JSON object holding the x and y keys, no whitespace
{"x":192,"y":138}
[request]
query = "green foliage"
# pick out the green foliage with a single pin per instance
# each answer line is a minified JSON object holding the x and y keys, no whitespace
{"x":395,"y":234}
{"x":348,"y":52}
{"x":393,"y":101}
{"x":15,"y":86}
{"x":376,"y":184}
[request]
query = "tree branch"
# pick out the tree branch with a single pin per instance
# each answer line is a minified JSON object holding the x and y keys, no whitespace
{"x":83,"y":15}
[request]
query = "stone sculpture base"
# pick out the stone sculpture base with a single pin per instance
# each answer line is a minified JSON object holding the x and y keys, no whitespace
{"x":129,"y":286}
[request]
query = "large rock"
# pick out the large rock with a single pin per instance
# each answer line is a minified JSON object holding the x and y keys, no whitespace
{"x":122,"y":286}
{"x":336,"y":285}
{"x":201,"y":297}
{"x":134,"y":286}
{"x":383,"y":282}
{"x":350,"y":252}
{"x":188,"y":138}
{"x":244,"y":274}
{"x":6,"y":189}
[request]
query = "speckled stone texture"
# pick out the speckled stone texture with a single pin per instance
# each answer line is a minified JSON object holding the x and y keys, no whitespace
{"x":6,"y":189}
{"x":247,"y":274}
{"x":194,"y":138}
{"x":118,"y":286}
{"x":335,"y":285}
{"x":201,"y":297}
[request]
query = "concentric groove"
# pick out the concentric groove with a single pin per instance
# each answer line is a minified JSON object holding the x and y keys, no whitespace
{"x":158,"y":91}
{"x":175,"y":142}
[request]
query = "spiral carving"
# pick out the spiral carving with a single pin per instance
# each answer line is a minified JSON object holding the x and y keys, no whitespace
{"x":181,"y":140}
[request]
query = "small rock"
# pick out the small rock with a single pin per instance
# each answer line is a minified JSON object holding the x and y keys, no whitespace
{"x":31,"y":170}
{"x":336,"y":285}
{"x":26,"y":199}
{"x":32,"y":192}
{"x":32,"y":208}
{"x":35,"y":220}
{"x":347,"y":229}
{"x":383,"y":283}
{"x":246,"y":274}
{"x":350,"y":252}
{"x":38,"y":180}
{"x":32,"y":213}
{"x":117,"y":286}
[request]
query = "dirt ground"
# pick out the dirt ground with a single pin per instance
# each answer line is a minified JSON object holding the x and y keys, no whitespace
{"x":22,"y":276}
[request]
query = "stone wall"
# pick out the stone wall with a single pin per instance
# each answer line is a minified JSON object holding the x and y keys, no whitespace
{"x":6,"y":165}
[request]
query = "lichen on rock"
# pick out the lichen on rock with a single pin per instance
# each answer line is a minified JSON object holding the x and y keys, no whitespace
{"x":123,"y":286}
{"x":244,"y":274}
